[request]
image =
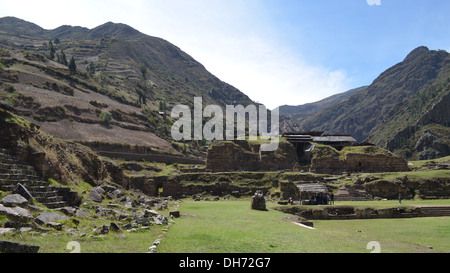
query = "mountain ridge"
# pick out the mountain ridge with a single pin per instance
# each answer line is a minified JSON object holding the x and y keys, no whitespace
{"x":133,"y":76}
{"x":393,"y":104}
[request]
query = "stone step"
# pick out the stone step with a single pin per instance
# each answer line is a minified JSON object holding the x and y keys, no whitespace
{"x":10,"y":166}
{"x":350,"y":198}
{"x":54,"y":205}
{"x":14,"y":171}
{"x":7,"y":187}
{"x":11,"y":176}
{"x":17,"y":171}
{"x":21,"y":181}
{"x":26,"y":183}
{"x":49,"y":199}
{"x":436,"y":211}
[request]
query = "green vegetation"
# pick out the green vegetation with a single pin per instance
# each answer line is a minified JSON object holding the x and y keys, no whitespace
{"x":106,"y":117}
{"x":72,"y":66}
{"x":424,"y":164}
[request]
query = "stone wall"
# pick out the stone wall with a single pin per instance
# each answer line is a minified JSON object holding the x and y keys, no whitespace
{"x":365,"y":159}
{"x":247,"y":156}
{"x":432,"y":188}
{"x":176,"y":186}
{"x":137,"y":153}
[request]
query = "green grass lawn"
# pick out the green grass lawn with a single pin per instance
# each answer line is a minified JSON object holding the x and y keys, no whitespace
{"x":232,"y":227}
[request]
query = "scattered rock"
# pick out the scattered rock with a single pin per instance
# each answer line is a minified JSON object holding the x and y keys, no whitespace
{"x":15,"y":213}
{"x":11,"y":247}
{"x":7,"y":231}
{"x":54,"y":225}
{"x":175,"y":214}
{"x":82,"y":214}
{"x":70,"y":211}
{"x":96,"y":194}
{"x":46,"y":217}
{"x":25,"y":229}
{"x":14,"y":200}
{"x":113,"y":227}
{"x":152,"y":249}
{"x":150,"y":213}
{"x":20,"y":189}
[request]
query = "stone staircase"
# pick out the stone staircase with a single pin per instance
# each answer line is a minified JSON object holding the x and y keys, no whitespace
{"x":351,"y":194}
{"x":14,"y":172}
{"x":435,"y":211}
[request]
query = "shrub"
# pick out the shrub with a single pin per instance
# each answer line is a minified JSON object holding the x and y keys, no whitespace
{"x":106,"y":117}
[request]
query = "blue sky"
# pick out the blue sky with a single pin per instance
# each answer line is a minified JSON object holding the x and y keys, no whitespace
{"x":276,"y":51}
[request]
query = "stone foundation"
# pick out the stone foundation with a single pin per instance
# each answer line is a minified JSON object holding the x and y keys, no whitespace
{"x":365,"y":159}
{"x":247,"y":156}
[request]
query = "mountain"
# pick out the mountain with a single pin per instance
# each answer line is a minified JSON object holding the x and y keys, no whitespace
{"x":292,"y":116}
{"x":406,"y":109}
{"x":314,"y":107}
{"x":120,"y":70}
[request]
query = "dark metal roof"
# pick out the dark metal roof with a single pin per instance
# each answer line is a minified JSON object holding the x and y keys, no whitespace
{"x":333,"y":139}
{"x":312,"y":133}
{"x":317,"y":137}
{"x":312,"y":187}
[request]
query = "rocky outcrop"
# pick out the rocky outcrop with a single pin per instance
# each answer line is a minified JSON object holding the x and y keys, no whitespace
{"x":430,"y":146}
{"x":247,"y":156}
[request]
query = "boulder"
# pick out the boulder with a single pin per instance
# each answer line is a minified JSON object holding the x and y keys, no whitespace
{"x":14,"y":200}
{"x":20,"y":189}
{"x":7,"y":231}
{"x":70,"y":211}
{"x":96,"y":194}
{"x":81,"y":213}
{"x":258,"y":201}
{"x":46,"y":217}
{"x":16,"y":213}
{"x":175,"y":214}
{"x":113,"y":227}
{"x":11,"y":247}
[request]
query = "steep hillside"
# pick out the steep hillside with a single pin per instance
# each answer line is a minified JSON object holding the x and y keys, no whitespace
{"x":119,"y":71}
{"x":291,"y":117}
{"x":300,"y":111}
{"x":397,"y":107}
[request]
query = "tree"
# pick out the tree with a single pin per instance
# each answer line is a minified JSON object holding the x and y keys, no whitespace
{"x":52,"y":50}
{"x":142,"y":92}
{"x":72,"y":66}
{"x":91,"y":68}
{"x":143,"y":70}
{"x":143,"y":88}
{"x":162,"y":106}
{"x":106,"y":117}
{"x":61,"y":58}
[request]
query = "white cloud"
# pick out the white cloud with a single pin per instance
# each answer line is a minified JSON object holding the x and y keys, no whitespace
{"x":272,"y":75}
{"x":233,"y":39}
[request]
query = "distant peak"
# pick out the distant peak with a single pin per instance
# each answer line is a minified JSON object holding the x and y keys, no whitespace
{"x":114,"y":29}
{"x":417,"y":52}
{"x":17,"y":25}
